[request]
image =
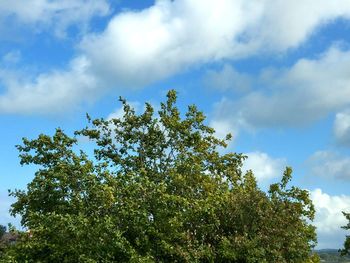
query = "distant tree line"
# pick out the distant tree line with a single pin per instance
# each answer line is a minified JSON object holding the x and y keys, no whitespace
{"x":332,"y":256}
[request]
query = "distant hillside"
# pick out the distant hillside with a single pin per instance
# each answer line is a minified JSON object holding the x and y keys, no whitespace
{"x":332,"y":256}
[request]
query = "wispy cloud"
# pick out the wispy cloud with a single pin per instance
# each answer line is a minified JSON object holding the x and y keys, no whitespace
{"x":11,"y":58}
{"x":341,"y":127}
{"x":51,"y":16}
{"x":330,"y":165}
{"x":228,"y":79}
{"x":306,"y":92}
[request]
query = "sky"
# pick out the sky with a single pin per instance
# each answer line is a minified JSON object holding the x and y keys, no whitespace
{"x":274,"y":73}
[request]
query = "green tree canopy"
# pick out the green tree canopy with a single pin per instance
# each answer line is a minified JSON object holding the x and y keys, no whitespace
{"x":157,"y":189}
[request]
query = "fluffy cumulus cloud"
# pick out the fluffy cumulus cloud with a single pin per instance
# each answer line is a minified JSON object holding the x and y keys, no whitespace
{"x":329,"y":164}
{"x":46,"y":14}
{"x":329,"y":218}
{"x":174,"y":35}
{"x":342,"y":127}
{"x":296,"y":20}
{"x":140,"y":47}
{"x":304,"y":93}
{"x":264,"y":166}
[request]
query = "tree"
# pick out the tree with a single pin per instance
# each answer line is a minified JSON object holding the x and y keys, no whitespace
{"x":157,"y":189}
{"x":8,"y":237}
{"x":2,"y":230}
{"x":346,"y":249}
{"x":2,"y":245}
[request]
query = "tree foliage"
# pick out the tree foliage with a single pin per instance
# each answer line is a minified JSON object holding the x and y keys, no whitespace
{"x":156,"y":189}
{"x":2,"y":230}
{"x":346,"y":249}
{"x":8,"y":237}
{"x":2,"y":244}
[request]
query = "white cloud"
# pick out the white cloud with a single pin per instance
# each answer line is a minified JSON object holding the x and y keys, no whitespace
{"x":140,"y":47}
{"x":56,"y":14}
{"x":287,"y":24}
{"x":173,"y":35}
{"x":304,"y":93}
{"x":329,"y":218}
{"x":342,"y":127}
{"x":117,"y":114}
{"x":329,"y":165}
{"x":56,"y":91}
{"x":264,"y":166}
{"x":222,"y":128}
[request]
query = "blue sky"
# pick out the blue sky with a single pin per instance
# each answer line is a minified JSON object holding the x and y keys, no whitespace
{"x":274,"y":73}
